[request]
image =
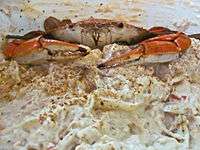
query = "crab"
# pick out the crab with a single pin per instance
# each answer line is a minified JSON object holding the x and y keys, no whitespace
{"x":65,"y":40}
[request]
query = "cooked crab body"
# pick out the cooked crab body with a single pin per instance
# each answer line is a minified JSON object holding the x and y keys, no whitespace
{"x":94,"y":32}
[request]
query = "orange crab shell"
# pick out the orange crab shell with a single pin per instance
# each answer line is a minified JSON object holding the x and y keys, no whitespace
{"x":174,"y":43}
{"x":18,"y":48}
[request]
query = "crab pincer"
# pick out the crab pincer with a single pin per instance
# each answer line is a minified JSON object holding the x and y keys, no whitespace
{"x":166,"y":46}
{"x":39,"y":48}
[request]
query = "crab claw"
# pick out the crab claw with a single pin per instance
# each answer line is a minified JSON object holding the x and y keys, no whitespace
{"x":163,"y":48}
{"x":49,"y":48}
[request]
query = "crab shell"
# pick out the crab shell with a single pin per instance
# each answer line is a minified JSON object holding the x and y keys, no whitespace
{"x":95,"y":32}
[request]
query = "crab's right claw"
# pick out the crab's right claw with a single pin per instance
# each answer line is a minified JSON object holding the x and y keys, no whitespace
{"x":63,"y":51}
{"x":56,"y":49}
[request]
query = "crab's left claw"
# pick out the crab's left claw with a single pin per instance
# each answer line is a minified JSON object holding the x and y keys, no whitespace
{"x":122,"y":56}
{"x":163,"y":48}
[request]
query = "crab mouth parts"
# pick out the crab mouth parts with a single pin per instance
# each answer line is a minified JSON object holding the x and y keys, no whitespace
{"x":98,"y":36}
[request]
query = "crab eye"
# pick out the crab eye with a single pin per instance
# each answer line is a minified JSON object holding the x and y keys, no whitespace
{"x":120,"y":25}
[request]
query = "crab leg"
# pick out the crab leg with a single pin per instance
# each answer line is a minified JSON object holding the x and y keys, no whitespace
{"x":170,"y":45}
